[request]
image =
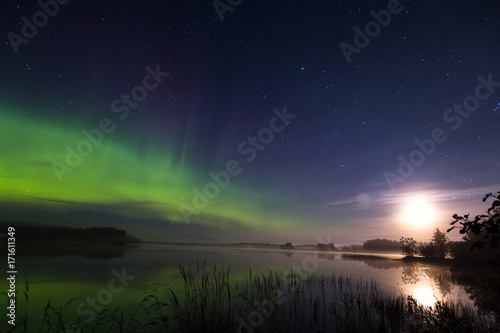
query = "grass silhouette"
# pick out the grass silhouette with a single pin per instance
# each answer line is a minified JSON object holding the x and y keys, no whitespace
{"x":210,"y":302}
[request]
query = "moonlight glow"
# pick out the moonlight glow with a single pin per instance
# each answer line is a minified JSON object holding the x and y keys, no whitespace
{"x":399,"y":107}
{"x":418,"y":213}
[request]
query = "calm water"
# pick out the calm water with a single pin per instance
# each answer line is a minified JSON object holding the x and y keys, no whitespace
{"x":60,"y":275}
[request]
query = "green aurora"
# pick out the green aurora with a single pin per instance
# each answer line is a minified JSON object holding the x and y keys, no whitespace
{"x":120,"y":178}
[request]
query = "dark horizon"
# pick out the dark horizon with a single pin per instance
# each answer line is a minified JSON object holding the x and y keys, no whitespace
{"x":32,"y":231}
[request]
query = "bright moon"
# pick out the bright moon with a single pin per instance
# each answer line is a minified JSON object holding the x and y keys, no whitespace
{"x":418,"y":213}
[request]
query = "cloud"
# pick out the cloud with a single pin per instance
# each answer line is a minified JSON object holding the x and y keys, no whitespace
{"x":348,"y":201}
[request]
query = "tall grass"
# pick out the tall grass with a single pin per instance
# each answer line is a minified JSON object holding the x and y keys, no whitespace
{"x":267,"y":302}
{"x":206,"y":304}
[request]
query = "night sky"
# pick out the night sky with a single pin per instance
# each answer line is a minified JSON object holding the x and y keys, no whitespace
{"x":285,"y":121}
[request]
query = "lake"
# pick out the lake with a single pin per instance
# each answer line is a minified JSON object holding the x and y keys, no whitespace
{"x":121,"y":276}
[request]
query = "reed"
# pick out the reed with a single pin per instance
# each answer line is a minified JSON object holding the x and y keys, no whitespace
{"x":210,"y":302}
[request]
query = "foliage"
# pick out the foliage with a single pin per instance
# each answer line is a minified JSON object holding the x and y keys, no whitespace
{"x":440,"y":243}
{"x":408,"y":246}
{"x":325,"y":247}
{"x":42,"y":232}
{"x":486,"y":225}
{"x":381,"y":244}
{"x":437,"y":248}
{"x":352,"y":248}
{"x":287,"y":246}
{"x":427,"y":251}
{"x":461,"y":252}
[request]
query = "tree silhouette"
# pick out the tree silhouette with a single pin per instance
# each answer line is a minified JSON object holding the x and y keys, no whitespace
{"x":488,"y":226}
{"x":483,"y":230}
{"x":325,"y":247}
{"x":437,"y":248}
{"x":408,"y":246}
{"x":440,"y":242}
{"x":380,"y":244}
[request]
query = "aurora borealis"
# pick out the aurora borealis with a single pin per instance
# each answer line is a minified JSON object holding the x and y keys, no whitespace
{"x":168,"y":99}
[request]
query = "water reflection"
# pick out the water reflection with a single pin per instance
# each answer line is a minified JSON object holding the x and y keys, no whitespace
{"x":438,"y":276}
{"x":483,"y":286}
{"x":425,"y":295}
{"x":323,"y":255}
{"x":427,"y":283}
{"x":376,"y":262}
{"x":411,"y":273}
{"x":430,"y":283}
{"x":85,"y":250}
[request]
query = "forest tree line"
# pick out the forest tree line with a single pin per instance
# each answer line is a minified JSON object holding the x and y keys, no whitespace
{"x":33,"y":232}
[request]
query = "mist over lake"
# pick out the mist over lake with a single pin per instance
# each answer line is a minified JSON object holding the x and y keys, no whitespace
{"x":154,"y":269}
